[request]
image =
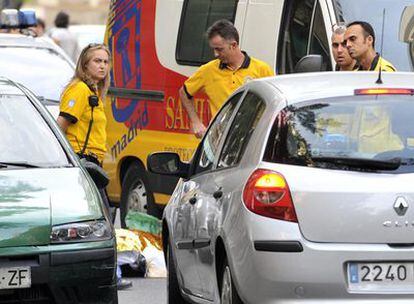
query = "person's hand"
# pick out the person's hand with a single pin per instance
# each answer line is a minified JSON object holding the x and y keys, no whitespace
{"x":199,"y":129}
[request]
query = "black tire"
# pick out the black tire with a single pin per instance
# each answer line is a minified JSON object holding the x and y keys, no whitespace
{"x":227,"y":286}
{"x":173,"y":288}
{"x":135,"y":183}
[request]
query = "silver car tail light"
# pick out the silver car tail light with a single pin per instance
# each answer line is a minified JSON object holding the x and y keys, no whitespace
{"x":267,"y":193}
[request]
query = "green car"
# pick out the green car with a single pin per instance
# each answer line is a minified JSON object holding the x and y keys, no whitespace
{"x":57,"y":244}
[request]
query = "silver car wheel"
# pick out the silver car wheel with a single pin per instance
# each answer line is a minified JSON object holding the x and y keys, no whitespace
{"x":226,"y":289}
{"x":137,"y":198}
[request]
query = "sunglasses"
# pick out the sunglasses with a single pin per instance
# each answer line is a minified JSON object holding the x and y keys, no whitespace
{"x":91,"y":45}
{"x":339,"y":26}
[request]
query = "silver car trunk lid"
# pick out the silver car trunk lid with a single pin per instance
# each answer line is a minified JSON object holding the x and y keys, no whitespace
{"x":352,"y":207}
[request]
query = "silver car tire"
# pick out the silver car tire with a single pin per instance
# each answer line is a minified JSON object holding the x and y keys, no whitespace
{"x":173,"y":288}
{"x":228,"y":292}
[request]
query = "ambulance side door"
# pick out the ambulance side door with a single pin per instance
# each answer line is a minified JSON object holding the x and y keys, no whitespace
{"x":305,"y":29}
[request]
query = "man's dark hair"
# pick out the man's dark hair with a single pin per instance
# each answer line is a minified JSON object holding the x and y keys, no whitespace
{"x":62,"y":20}
{"x":40,"y":22}
{"x":368,"y":30}
{"x":223,"y":28}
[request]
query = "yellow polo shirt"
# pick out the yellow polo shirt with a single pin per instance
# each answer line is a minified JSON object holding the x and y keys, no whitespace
{"x":375,"y":131}
{"x":217,"y":81}
{"x":74,"y":106}
{"x":378,"y":62}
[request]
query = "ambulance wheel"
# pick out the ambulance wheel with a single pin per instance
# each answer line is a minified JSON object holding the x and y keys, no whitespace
{"x":135,"y":195}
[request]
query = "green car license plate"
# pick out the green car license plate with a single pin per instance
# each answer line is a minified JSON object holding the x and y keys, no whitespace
{"x":381,"y":277}
{"x":15,"y":277}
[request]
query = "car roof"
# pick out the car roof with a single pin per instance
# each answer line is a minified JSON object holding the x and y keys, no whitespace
{"x":306,"y":86}
{"x":20,"y":40}
{"x":23,"y":40}
{"x":8,"y":87}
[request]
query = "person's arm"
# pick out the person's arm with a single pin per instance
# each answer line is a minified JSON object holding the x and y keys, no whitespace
{"x":198,"y":128}
{"x":72,"y":104}
{"x":63,"y":123}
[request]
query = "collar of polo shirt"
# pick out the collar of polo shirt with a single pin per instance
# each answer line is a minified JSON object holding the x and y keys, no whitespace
{"x":244,"y":65}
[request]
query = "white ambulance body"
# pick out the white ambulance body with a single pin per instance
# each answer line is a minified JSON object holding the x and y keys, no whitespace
{"x":278,"y":32}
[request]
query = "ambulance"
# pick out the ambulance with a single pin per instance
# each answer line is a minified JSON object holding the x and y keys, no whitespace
{"x":157,"y":44}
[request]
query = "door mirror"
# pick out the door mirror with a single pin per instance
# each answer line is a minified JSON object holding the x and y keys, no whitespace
{"x":167,"y":163}
{"x":309,"y":63}
{"x":407,"y":25}
{"x":98,"y":174}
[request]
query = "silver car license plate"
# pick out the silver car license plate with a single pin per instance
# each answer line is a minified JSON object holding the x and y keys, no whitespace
{"x":15,"y":277}
{"x":383,"y":277}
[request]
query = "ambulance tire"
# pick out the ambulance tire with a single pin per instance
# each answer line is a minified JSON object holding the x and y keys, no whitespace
{"x":135,"y":188}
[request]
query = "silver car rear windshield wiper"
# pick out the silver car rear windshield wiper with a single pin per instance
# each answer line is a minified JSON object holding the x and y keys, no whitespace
{"x":48,"y":101}
{"x":18,"y":164}
{"x":362,"y":163}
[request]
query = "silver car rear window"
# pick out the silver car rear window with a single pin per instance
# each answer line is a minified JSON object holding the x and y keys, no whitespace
{"x":356,"y":130}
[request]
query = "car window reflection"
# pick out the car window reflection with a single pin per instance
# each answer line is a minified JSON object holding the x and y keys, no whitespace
{"x":25,"y":136}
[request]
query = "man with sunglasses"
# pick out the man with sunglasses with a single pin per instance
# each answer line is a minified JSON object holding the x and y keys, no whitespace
{"x":360,"y":41}
{"x":344,"y":62}
{"x":221,"y":76}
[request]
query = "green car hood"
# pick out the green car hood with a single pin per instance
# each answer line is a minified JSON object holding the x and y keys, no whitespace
{"x":33,"y":200}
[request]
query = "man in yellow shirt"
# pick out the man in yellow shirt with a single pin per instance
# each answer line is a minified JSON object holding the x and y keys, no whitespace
{"x":219,"y":78}
{"x":344,"y":62}
{"x":360,"y":41}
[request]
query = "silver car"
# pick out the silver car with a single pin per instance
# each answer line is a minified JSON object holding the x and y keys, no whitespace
{"x":300,"y":191}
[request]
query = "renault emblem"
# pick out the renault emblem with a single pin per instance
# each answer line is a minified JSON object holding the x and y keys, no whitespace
{"x":400,"y":206}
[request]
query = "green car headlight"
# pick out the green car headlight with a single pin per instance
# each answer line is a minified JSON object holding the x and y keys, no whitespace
{"x":81,"y":232}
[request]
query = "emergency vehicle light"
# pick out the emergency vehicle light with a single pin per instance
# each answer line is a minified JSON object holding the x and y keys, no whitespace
{"x":27,"y":18}
{"x":12,"y":18}
{"x":384,"y":91}
{"x":9,"y":18}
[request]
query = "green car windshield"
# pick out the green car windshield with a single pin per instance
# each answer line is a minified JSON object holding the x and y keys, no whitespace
{"x":25,"y":136}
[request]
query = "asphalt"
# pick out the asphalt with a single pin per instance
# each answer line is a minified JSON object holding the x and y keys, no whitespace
{"x":144,"y":291}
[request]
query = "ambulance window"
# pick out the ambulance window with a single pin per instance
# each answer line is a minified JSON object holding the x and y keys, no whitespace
{"x":319,"y":42}
{"x":196,"y":17}
{"x":294,"y":34}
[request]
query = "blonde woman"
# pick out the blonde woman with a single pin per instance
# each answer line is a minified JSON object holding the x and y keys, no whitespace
{"x":82,"y":115}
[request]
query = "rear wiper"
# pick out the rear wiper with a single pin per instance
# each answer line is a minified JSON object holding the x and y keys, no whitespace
{"x":362,"y":163}
{"x":18,"y":164}
{"x":48,"y":101}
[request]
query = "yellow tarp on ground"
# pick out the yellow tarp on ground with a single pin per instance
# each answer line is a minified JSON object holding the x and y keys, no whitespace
{"x":136,"y":240}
